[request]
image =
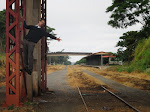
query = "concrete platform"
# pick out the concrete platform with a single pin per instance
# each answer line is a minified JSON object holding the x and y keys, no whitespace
{"x":62,"y":97}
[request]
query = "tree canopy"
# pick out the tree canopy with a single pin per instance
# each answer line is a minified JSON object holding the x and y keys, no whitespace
{"x":83,"y":60}
{"x":2,"y":30}
{"x":129,"y":12}
{"x":125,"y":13}
{"x":58,"y":60}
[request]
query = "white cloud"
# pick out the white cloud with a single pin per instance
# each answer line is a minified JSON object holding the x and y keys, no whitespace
{"x":82,"y":25}
{"x":2,"y":4}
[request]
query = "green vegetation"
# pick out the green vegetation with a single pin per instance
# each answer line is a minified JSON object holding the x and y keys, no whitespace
{"x":129,"y":42}
{"x":27,"y":103}
{"x":2,"y":59}
{"x":81,"y":61}
{"x":11,"y":107}
{"x":2,"y":30}
{"x":133,"y":45}
{"x":125,"y":13}
{"x":129,"y":12}
{"x":141,"y":61}
{"x":58,"y":60}
{"x":2,"y":67}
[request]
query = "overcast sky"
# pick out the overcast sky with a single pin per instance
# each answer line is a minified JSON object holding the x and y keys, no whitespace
{"x":82,"y":26}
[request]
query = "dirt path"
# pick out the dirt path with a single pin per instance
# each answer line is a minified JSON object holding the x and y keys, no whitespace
{"x":2,"y":94}
{"x":62,"y":97}
{"x":138,"y":98}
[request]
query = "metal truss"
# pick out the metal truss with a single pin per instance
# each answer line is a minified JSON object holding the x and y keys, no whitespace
{"x":15,"y":76}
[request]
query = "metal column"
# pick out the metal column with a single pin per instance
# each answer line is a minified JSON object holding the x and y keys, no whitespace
{"x":15,"y":79}
{"x":44,"y":51}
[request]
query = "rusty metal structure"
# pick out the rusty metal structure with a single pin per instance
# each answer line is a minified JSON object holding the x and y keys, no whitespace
{"x":15,"y":74}
{"x":15,"y":79}
{"x":44,"y":51}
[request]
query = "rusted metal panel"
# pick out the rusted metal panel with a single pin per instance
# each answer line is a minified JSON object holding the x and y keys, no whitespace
{"x":15,"y":79}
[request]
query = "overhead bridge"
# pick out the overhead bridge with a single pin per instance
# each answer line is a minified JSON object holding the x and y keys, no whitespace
{"x":69,"y":54}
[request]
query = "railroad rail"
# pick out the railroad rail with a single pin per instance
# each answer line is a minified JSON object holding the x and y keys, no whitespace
{"x":125,"y":102}
{"x":82,"y":99}
{"x":113,"y":94}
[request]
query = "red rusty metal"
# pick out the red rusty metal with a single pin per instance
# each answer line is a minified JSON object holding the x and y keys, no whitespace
{"x":43,"y":51}
{"x":23,"y":90}
{"x":15,"y":79}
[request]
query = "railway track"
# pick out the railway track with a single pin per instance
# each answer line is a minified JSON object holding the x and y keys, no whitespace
{"x":113,"y":94}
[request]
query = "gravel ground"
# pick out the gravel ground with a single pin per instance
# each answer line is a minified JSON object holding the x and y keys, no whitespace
{"x":138,"y":98}
{"x":2,"y":94}
{"x":62,"y":97}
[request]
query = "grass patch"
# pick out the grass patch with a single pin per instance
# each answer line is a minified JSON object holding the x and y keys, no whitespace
{"x":133,"y":79}
{"x":141,"y":61}
{"x":27,"y":107}
{"x":2,"y":67}
{"x":76,"y":77}
{"x":53,"y":68}
{"x":129,"y":69}
{"x":11,"y":107}
{"x":2,"y":59}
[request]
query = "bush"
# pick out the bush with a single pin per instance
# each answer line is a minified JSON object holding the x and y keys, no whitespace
{"x":141,"y":61}
{"x":2,"y":59}
{"x":147,"y":71}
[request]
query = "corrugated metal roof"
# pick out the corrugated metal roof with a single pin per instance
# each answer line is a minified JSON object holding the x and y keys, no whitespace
{"x":100,"y":53}
{"x":108,"y":56}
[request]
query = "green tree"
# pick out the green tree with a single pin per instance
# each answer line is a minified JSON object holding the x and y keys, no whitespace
{"x":121,"y":55}
{"x":51,"y":31}
{"x":2,"y":30}
{"x":59,"y":60}
{"x":128,"y":42}
{"x":67,"y":63}
{"x":83,"y":60}
{"x":129,"y":12}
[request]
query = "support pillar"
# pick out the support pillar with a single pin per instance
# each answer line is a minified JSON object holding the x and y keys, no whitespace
{"x":33,"y":15}
{"x":29,"y":21}
{"x":37,"y":51}
{"x":101,"y":60}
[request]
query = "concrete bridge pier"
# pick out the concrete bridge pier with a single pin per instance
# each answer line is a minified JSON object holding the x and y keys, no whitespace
{"x":33,"y":15}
